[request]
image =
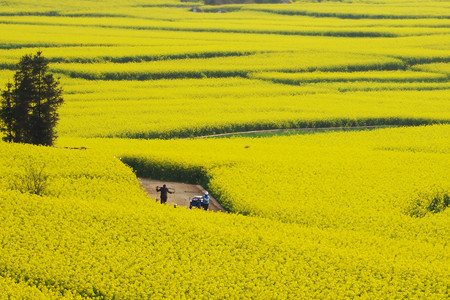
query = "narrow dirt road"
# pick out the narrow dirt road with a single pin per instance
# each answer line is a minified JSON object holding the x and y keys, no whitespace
{"x":296,"y":129}
{"x":183,"y":193}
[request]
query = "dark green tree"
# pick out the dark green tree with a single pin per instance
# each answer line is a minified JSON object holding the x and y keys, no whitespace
{"x":28,"y":112}
{"x":6,"y":115}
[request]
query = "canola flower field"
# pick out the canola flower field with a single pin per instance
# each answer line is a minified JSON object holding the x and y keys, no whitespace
{"x":360,"y":214}
{"x":332,"y":231}
{"x":244,"y":69}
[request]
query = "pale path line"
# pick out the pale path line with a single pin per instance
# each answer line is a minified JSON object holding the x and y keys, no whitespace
{"x":184,"y":192}
{"x":296,"y":129}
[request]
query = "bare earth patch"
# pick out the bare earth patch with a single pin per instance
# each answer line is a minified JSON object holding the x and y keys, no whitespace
{"x":183,"y":193}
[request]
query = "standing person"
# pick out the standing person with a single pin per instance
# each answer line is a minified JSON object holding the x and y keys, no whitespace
{"x":164,"y":190}
{"x":205,"y":201}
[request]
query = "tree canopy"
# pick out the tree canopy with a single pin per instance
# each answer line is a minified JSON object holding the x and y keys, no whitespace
{"x":28,"y":112}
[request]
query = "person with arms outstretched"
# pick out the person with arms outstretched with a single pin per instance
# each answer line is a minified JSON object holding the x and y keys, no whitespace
{"x":164,"y":190}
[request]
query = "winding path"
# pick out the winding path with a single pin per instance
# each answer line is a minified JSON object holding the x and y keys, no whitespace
{"x":183,"y":193}
{"x":297,"y":129}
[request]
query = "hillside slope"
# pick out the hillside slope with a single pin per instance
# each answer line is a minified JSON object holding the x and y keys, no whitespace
{"x":93,"y":233}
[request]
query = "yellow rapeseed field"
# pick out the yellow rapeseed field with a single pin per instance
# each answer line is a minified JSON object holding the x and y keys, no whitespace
{"x":93,"y":233}
{"x":311,"y":215}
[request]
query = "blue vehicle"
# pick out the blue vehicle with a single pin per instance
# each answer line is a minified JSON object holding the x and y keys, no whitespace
{"x":196,"y":201}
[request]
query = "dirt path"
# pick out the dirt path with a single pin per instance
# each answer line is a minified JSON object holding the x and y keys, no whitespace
{"x":183,"y":193}
{"x":298,"y":129}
